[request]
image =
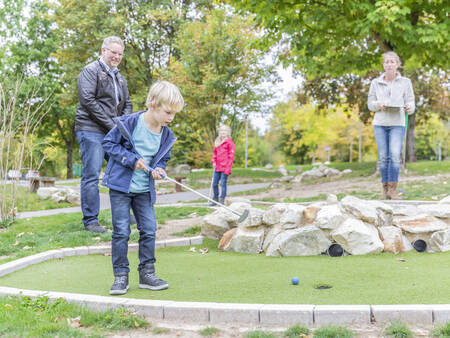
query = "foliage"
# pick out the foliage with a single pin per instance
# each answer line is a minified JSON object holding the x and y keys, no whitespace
{"x":430,"y":136}
{"x":338,"y":37}
{"x":21,"y":112}
{"x":398,"y":329}
{"x":219,"y":72}
{"x":305,"y":134}
{"x":259,"y":334}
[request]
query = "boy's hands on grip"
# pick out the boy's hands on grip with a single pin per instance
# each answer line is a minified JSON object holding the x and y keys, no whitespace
{"x":158,"y":173}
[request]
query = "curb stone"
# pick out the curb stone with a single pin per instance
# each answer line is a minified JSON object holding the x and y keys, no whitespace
{"x":218,"y":313}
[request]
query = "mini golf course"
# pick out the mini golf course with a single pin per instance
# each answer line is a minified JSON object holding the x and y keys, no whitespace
{"x":226,"y":277}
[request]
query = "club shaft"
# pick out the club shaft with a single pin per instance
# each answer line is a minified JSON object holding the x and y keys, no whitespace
{"x":200,"y":194}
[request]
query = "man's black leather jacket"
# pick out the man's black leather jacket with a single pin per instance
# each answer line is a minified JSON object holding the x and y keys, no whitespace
{"x":97,"y":103}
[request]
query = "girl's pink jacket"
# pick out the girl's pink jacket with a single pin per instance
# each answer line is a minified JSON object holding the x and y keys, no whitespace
{"x":223,"y":156}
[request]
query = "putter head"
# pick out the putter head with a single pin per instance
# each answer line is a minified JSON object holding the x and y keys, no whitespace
{"x":243,"y":216}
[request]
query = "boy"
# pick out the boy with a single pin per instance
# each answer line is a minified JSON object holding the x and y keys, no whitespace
{"x":137,"y":142}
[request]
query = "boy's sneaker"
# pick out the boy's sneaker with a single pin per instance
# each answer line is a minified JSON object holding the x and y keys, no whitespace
{"x":95,"y":227}
{"x":120,"y":285}
{"x":149,"y":280}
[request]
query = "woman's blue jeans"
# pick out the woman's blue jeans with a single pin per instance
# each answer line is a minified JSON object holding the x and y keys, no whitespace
{"x":144,"y":212}
{"x":223,"y":178}
{"x":389,"y":143}
{"x":92,"y":156}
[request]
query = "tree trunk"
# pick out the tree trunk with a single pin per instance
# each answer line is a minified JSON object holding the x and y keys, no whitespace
{"x":411,"y":139}
{"x":350,"y":157}
{"x":360,"y":142}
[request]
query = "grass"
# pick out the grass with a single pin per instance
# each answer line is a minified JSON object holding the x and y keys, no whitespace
{"x":233,"y":277}
{"x":32,"y":235}
{"x":259,"y":334}
{"x":26,"y":317}
{"x":333,"y":331}
{"x":189,"y":232}
{"x":296,"y":331}
{"x":28,"y":201}
{"x":428,"y":167}
{"x":398,"y":329}
{"x":209,"y":331}
{"x":442,"y":331}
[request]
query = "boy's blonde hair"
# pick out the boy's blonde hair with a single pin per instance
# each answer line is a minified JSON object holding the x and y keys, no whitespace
{"x":165,"y":94}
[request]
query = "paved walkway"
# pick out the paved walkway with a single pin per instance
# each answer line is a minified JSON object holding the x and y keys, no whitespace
{"x":161,"y":199}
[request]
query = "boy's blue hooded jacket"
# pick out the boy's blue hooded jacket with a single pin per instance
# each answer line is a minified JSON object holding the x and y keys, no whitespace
{"x":118,"y":144}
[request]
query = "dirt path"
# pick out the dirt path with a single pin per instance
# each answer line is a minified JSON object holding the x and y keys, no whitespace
{"x":304,"y":190}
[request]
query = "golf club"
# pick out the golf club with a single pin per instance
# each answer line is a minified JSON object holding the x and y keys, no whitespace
{"x":242,"y":216}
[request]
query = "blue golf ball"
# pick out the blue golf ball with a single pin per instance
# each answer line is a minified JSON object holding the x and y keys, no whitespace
{"x":295,"y":280}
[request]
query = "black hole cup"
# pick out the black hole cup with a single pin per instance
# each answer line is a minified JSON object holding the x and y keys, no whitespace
{"x":335,"y":250}
{"x":419,"y":245}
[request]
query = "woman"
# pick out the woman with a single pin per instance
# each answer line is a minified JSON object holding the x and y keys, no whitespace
{"x":390,"y":96}
{"x":222,"y":160}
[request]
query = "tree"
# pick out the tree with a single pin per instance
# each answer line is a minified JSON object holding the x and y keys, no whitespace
{"x":336,"y":37}
{"x":219,"y":72}
{"x":328,"y":39}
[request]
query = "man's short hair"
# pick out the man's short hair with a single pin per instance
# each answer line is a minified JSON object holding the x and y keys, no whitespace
{"x":112,"y":39}
{"x":165,"y":94}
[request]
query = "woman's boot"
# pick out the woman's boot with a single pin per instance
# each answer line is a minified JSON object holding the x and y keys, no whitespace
{"x":385,"y":195}
{"x":392,"y":191}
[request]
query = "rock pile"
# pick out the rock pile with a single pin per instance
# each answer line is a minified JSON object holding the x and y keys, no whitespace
{"x":60,"y":194}
{"x":359,"y":226}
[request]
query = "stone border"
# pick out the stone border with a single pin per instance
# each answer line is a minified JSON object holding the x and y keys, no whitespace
{"x":226,"y":313}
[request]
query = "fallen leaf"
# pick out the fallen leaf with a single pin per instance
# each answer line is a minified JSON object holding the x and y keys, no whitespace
{"x":74,"y":322}
{"x":16,"y":244}
{"x":401,"y":259}
{"x":136,"y":324}
{"x":97,"y":238}
{"x":8,"y":307}
{"x":203,"y":251}
{"x":26,"y":247}
{"x":30,"y":233}
{"x":20,"y":235}
{"x":435,"y":198}
{"x":193,"y":249}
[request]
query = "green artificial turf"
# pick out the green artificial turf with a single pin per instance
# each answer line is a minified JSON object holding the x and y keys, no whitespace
{"x":423,"y":278}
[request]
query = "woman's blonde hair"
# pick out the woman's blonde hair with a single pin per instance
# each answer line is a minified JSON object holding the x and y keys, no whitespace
{"x":219,"y":140}
{"x":165,"y":94}
{"x":393,"y":55}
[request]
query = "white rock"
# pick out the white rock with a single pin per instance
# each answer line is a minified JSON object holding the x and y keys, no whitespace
{"x":273,"y":214}
{"x":419,"y":224}
{"x":332,"y":199}
{"x":358,"y":237}
{"x":329,"y":217}
{"x":304,"y":241}
{"x":247,"y":241}
{"x":373,"y":212}
{"x":292,"y":216}
{"x":346,"y":171}
{"x":46,"y":192}
{"x":392,"y":239}
{"x":436,"y":210}
{"x":215,"y":225}
{"x":440,"y":240}
{"x":313,"y":173}
{"x":445,"y":200}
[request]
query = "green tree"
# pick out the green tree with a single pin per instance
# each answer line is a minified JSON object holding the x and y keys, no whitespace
{"x":219,"y":72}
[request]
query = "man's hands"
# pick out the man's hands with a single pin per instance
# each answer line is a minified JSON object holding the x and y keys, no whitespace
{"x":158,"y":173}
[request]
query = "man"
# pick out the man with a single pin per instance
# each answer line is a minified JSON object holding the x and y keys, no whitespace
{"x":103,"y":94}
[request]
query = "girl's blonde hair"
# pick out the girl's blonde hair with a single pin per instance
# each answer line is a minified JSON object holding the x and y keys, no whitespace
{"x":165,"y":94}
{"x":393,"y":55}
{"x":219,"y":140}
